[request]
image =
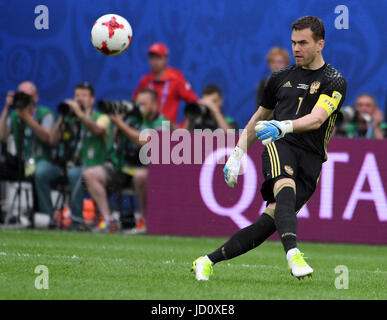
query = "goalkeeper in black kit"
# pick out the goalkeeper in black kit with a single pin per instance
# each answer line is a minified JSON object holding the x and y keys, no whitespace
{"x":303,"y":100}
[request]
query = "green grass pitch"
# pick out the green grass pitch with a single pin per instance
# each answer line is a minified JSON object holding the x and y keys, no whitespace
{"x":116,"y":266}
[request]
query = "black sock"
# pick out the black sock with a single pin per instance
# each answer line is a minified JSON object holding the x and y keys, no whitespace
{"x":245,"y":239}
{"x":285,"y":217}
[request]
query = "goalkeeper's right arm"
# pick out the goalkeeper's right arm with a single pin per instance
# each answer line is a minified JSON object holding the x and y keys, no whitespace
{"x":247,"y":138}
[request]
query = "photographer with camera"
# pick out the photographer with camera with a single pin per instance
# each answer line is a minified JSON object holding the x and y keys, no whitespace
{"x":83,"y":136}
{"x":207,"y":114}
{"x":124,"y":167}
{"x":30,"y":124}
{"x":366,"y":120}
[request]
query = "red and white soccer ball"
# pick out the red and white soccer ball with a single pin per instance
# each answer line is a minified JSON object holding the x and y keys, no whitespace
{"x":111,"y":34}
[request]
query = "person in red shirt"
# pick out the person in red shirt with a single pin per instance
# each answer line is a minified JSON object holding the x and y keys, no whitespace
{"x":168,"y":82}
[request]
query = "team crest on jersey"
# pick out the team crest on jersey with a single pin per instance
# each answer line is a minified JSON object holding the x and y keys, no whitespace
{"x":289,"y":170}
{"x":314,"y":87}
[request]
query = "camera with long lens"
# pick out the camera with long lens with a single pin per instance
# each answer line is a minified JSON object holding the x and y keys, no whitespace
{"x":199,"y":116}
{"x":66,"y":111}
{"x":347,"y":114}
{"x":345,"y":117}
{"x":126,"y":108}
{"x":21,"y":100}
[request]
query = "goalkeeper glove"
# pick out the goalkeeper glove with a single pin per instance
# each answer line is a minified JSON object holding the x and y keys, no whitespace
{"x":233,"y":164}
{"x":269,"y":131}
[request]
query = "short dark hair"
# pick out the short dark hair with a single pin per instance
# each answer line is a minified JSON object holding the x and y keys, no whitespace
{"x":212,"y":88}
{"x":85,"y":85}
{"x":315,"y":24}
{"x":150,"y":91}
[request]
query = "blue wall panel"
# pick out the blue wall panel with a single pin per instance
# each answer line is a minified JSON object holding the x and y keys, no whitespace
{"x":222,"y":42}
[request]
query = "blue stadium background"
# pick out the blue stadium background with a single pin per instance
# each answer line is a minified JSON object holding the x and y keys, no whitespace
{"x":217,"y":41}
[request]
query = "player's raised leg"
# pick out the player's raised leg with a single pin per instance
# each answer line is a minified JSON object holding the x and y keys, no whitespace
{"x":242,"y":241}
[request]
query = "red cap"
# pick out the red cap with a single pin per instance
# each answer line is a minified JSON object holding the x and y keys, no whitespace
{"x":158,"y":48}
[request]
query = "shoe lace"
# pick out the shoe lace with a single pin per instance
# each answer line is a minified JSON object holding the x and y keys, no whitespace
{"x":208,"y":269}
{"x":299,"y":259}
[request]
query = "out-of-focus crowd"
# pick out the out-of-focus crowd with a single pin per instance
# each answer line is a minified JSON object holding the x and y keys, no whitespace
{"x":95,"y":150}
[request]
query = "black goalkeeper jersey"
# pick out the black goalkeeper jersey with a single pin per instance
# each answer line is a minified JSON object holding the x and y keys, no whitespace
{"x":293,"y":92}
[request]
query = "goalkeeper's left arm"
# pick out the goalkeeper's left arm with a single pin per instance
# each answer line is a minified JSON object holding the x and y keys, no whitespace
{"x":323,"y":109}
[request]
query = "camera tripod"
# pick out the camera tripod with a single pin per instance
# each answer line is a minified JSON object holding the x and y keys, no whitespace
{"x":20,"y":179}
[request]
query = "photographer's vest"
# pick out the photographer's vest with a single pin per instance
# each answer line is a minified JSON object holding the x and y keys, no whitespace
{"x":94,"y":148}
{"x":32,"y":146}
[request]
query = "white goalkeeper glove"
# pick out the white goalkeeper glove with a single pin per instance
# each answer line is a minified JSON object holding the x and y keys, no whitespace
{"x":269,"y":131}
{"x":233,"y":164}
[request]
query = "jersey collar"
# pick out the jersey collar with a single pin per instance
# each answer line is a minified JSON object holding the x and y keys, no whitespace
{"x":168,"y":74}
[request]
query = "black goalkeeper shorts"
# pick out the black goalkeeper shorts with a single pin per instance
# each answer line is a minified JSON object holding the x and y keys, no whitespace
{"x":282,"y":159}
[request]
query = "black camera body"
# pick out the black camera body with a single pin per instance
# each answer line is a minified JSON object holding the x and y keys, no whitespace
{"x":65,"y":110}
{"x":126,"y":108}
{"x":21,"y":101}
{"x":345,"y":117}
{"x":199,"y":116}
{"x":347,"y":114}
